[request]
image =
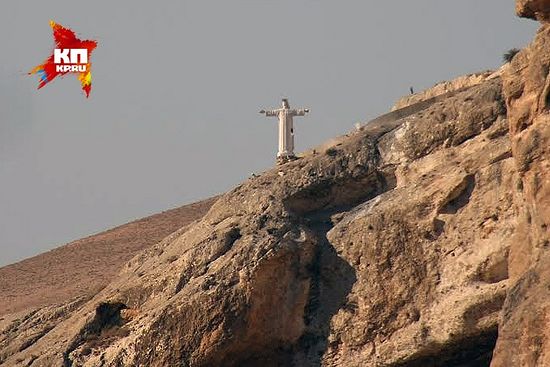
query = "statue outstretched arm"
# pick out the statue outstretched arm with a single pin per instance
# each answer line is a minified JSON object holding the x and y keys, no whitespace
{"x":270,"y":112}
{"x":300,"y":112}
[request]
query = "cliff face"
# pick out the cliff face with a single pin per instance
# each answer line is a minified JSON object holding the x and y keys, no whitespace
{"x":419,"y":241}
{"x":430,"y":255}
{"x":389,"y":249}
{"x":524,"y":333}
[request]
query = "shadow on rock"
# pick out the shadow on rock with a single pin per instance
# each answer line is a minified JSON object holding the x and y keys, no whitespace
{"x":332,"y":279}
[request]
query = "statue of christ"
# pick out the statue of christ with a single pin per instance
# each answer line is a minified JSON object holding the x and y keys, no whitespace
{"x":286,"y":129}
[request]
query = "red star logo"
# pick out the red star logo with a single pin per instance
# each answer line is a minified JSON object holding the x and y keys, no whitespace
{"x":65,"y":39}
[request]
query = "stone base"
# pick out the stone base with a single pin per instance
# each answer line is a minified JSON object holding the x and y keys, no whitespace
{"x":285,"y":159}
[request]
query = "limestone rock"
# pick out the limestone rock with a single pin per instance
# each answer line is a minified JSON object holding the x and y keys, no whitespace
{"x":430,"y":255}
{"x":524,"y":333}
{"x":388,"y":250}
{"x":534,"y":9}
{"x":445,"y":87}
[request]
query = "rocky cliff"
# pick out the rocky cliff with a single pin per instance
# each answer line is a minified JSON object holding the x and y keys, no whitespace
{"x":419,"y":241}
{"x":524,"y":332}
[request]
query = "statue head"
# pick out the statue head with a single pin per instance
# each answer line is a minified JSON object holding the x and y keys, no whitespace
{"x":285,"y":103}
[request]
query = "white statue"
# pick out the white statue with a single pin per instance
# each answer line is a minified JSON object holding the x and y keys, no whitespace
{"x":286,"y":129}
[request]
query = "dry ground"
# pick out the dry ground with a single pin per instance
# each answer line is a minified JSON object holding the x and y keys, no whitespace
{"x":85,"y":266}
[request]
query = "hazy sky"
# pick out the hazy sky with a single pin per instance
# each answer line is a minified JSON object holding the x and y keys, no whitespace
{"x":177,"y":85}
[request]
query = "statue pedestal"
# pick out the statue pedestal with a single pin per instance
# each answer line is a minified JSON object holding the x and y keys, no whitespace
{"x":285,"y":159}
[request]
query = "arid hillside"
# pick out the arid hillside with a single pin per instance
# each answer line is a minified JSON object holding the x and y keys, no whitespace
{"x":83,"y":267}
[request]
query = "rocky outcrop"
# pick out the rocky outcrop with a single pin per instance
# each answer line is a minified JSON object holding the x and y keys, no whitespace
{"x":446,"y":87}
{"x":385,"y":250}
{"x":232,"y":288}
{"x":524,"y":333}
{"x":534,"y":9}
{"x":430,"y":255}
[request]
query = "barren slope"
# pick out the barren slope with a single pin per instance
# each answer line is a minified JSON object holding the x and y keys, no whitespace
{"x":83,"y":267}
